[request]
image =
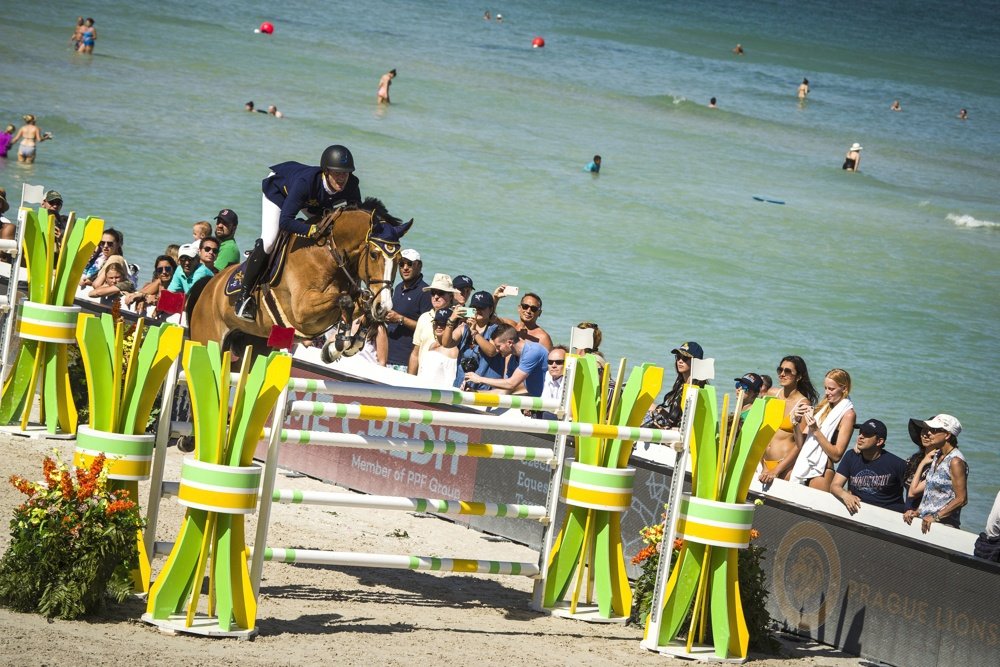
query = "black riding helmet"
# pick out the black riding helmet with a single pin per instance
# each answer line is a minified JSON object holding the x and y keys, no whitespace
{"x":337,"y":158}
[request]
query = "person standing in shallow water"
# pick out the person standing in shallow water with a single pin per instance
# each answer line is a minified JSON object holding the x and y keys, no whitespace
{"x":30,"y":135}
{"x":88,"y":36}
{"x":852,"y":161}
{"x":383,"y":86}
{"x":803,"y":89}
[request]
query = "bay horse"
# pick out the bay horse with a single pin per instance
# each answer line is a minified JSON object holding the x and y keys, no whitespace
{"x":349,"y":266}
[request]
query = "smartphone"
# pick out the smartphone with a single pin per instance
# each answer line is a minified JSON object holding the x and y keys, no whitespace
{"x":469,"y":312}
{"x":510,"y":290}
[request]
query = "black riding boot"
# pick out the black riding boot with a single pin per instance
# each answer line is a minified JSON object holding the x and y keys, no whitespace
{"x":246,"y":307}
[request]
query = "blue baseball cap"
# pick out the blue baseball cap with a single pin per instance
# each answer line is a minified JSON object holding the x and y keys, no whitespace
{"x":689,"y":349}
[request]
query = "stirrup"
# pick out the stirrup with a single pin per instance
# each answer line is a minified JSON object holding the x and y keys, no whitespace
{"x":246,"y":309}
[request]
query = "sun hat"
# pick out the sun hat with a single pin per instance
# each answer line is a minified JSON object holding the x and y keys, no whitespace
{"x":410,"y":254}
{"x":873,"y":427}
{"x":462,"y":282}
{"x":947,"y":422}
{"x":188,"y":250}
{"x":753,"y":381}
{"x":227,"y":216}
{"x":689,"y":349}
{"x":481,"y":300}
{"x":442,"y":281}
{"x":856,"y":146}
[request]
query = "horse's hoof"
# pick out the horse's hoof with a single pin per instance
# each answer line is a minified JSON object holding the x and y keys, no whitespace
{"x":328,"y":354}
{"x":185,"y":443}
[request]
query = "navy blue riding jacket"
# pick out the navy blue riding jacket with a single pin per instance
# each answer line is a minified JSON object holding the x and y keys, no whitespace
{"x":295,"y":187}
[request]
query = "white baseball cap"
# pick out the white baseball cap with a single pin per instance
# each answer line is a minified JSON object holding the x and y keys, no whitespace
{"x":942,"y":421}
{"x":188,"y":250}
{"x":410,"y":254}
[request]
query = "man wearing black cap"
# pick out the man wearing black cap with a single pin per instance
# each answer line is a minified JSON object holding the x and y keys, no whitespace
{"x":875,"y":476}
{"x":465,"y":289}
{"x":225,"y":230}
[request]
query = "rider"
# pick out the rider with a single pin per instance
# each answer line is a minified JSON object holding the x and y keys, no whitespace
{"x":292,"y":187}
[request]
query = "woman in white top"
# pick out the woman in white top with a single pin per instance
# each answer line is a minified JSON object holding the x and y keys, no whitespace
{"x":438,"y":364}
{"x":828,"y":431}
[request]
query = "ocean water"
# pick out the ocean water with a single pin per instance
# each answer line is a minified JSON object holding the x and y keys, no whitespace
{"x":891,"y":272}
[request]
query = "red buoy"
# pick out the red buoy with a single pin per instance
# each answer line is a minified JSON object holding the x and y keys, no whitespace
{"x":266,"y":28}
{"x":537,"y":43}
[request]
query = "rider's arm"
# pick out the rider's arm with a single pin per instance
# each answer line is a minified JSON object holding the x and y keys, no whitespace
{"x":299,"y":192}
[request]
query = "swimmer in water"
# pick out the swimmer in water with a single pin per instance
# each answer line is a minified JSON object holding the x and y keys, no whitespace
{"x":383,"y":86}
{"x":30,"y":136}
{"x":712,"y":104}
{"x":963,"y":115}
{"x":895,"y":106}
{"x":87,"y":37}
{"x":803,"y":89}
{"x":738,"y":50}
{"x":852,"y":161}
{"x":595,"y":166}
{"x":273,"y":111}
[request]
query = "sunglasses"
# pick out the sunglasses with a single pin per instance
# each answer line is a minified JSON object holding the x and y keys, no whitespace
{"x":533,"y":309}
{"x":742,"y":385}
{"x":214,"y":251}
{"x":106,"y":244}
{"x":437,"y":292}
{"x":785,"y":371}
{"x":404,"y":263}
{"x":932,"y":431}
{"x":557,"y":362}
{"x":164,"y":269}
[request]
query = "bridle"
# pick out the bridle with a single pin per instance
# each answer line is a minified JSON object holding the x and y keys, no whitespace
{"x":361,"y":291}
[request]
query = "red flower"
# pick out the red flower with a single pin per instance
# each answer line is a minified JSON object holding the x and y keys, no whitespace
{"x":119,"y":506}
{"x":678,"y":543}
{"x":754,"y":533}
{"x":23,"y":485}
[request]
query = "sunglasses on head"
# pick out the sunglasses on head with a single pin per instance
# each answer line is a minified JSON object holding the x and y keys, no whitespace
{"x":785,"y":371}
{"x":534,"y":309}
{"x":165,"y":269}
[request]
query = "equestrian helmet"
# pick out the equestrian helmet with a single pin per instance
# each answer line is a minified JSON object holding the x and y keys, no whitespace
{"x":337,"y":158}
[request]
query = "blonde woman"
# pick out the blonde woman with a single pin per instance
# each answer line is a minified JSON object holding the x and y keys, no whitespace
{"x":112,"y":281}
{"x":30,"y":135}
{"x":796,"y":390}
{"x":827,"y":433}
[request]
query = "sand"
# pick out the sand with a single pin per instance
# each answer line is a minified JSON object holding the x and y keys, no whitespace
{"x":310,"y":615}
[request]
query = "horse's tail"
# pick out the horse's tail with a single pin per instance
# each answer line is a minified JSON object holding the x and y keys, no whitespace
{"x":194,"y":293}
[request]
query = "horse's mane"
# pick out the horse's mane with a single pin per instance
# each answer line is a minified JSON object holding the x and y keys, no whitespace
{"x":374,"y":204}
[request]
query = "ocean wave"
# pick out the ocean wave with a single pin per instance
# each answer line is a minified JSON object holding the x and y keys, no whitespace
{"x":969,"y":221}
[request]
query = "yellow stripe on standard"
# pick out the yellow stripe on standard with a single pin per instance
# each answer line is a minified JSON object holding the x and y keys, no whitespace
{"x":47,"y":332}
{"x":216,"y":500}
{"x":617,"y":500}
{"x":137,"y":469}
{"x":736,"y":538}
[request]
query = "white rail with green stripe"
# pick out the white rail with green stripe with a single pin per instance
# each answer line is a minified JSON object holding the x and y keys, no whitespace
{"x":418,"y":395}
{"x":478,"y":450}
{"x":495,"y":422}
{"x":445,"y":447}
{"x":431,"y":563}
{"x":428,"y":505}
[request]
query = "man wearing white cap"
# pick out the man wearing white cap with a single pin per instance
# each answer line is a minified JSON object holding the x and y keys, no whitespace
{"x":442,"y":296}
{"x":192,"y":270}
{"x":409,"y":302}
{"x":945,"y":486}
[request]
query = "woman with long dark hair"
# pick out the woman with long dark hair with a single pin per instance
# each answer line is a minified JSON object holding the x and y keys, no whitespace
{"x":149,"y":294}
{"x":667,"y":414}
{"x":797,"y":391}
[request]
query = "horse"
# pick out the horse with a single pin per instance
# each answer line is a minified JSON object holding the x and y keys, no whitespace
{"x":349,"y":266}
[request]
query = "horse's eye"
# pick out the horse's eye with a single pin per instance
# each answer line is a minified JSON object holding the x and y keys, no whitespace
{"x":374,"y":254}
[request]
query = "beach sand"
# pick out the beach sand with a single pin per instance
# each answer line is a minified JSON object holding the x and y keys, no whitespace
{"x":309,"y":615}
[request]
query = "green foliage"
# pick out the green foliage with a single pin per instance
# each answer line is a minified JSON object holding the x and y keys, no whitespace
{"x":73,"y":542}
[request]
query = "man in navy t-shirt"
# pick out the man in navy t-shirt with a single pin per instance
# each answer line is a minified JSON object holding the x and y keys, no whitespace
{"x":409,"y":302}
{"x":530,"y":371}
{"x":874,"y":475}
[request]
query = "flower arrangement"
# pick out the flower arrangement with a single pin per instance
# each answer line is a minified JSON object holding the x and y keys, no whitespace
{"x":73,"y":542}
{"x":753,"y":584}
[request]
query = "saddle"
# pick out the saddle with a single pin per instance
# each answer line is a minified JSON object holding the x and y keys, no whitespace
{"x":272,"y":276}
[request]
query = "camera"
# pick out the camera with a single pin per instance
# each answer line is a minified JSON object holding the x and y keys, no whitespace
{"x":469,"y":364}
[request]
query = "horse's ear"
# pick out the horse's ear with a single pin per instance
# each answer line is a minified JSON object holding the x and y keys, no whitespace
{"x":403,"y":228}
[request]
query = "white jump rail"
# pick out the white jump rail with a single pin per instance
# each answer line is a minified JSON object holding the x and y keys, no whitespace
{"x":30,"y":194}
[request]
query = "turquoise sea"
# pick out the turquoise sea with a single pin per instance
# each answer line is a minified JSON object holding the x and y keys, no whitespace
{"x":891,"y":273}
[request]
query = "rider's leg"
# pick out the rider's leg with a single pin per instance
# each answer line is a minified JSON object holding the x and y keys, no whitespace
{"x":246,"y":307}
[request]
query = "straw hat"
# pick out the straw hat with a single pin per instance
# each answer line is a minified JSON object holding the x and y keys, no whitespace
{"x":855,"y":146}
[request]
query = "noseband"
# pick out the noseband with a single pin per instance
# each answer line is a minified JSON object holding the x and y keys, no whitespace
{"x":388,"y":249}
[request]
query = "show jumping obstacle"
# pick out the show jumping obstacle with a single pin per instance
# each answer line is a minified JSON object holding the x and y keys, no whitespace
{"x":178,"y":613}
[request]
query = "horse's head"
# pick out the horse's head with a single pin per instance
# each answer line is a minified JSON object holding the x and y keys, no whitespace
{"x":377,"y":267}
